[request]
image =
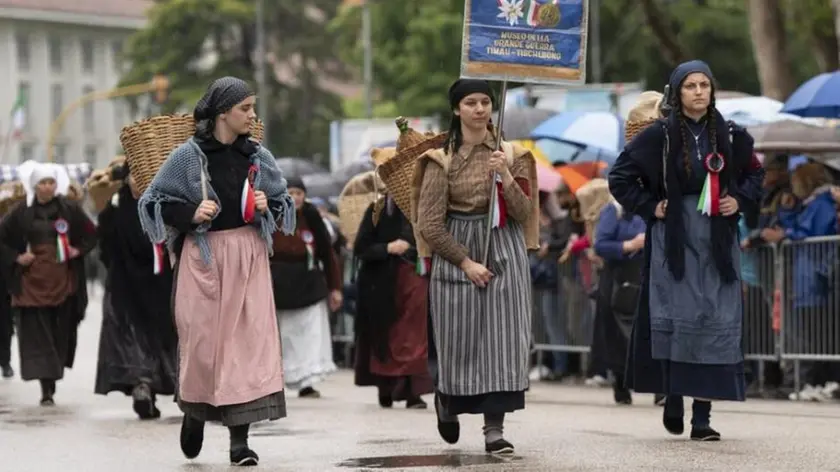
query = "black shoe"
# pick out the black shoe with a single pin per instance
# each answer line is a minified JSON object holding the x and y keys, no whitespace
{"x":144,"y":402}
{"x":704,"y":433}
{"x":416,"y":403}
{"x":659,"y":399}
{"x":385,"y":401}
{"x":309,"y":392}
{"x":8,"y":372}
{"x":192,"y":437}
{"x":449,"y":431}
{"x":244,"y":457}
{"x":622,"y":396}
{"x":673,"y":423}
{"x":499,"y":446}
{"x":47,"y":401}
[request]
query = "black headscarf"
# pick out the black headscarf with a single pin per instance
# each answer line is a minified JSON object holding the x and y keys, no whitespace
{"x":678,"y":173}
{"x":457,"y":91}
{"x":222,"y":95}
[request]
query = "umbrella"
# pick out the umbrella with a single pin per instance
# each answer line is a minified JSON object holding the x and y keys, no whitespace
{"x":572,"y":176}
{"x":520,"y":121}
{"x":819,"y":97}
{"x":594,"y":129}
{"x":752,"y":111}
{"x":795,"y":136}
{"x":322,"y":185}
{"x":353,"y":169}
{"x":298,"y":167}
{"x":564,"y":152}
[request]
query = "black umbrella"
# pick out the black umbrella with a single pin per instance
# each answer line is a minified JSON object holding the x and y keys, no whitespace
{"x":353,"y":169}
{"x":298,"y":167}
{"x":322,"y":185}
{"x":795,"y":136}
{"x":520,"y":121}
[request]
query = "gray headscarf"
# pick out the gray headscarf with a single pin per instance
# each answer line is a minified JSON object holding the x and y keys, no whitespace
{"x":222,"y":95}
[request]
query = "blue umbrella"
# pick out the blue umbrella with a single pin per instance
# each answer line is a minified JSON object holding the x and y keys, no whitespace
{"x":589,"y":129}
{"x":816,"y":98}
{"x":563,"y":152}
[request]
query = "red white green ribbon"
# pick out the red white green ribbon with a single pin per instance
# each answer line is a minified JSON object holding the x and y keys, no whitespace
{"x":158,"y":257}
{"x":248,"y":202}
{"x":62,"y":240}
{"x":309,"y":240}
{"x":709,"y":202}
{"x":500,"y":209}
{"x":423,"y":266}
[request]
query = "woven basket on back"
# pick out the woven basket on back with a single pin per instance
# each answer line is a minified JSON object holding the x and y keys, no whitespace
{"x":101,"y":186}
{"x":632,"y":128}
{"x":11,"y":193}
{"x":398,"y":172}
{"x":148,"y":143}
{"x":354,"y":200}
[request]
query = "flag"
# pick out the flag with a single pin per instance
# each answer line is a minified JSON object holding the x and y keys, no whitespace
{"x":19,"y":114}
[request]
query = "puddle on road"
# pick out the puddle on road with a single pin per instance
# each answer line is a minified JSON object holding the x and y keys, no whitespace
{"x":277,"y":430}
{"x":35,"y":416}
{"x":384,"y":442}
{"x":438,"y":460}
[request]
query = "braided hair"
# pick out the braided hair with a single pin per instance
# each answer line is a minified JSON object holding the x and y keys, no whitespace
{"x":676,"y":102}
{"x":455,"y":137}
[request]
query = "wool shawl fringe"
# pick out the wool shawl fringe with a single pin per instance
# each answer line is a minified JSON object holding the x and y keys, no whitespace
{"x":179,"y":181}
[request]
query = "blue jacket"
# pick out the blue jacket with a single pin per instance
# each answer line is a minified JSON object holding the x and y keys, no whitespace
{"x":612,"y":231}
{"x":812,"y":261}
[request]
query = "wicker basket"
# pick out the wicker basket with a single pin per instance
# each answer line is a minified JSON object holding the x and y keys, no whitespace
{"x":398,"y":173}
{"x":101,"y":186}
{"x":354,"y":200}
{"x":148,"y":143}
{"x":11,"y":193}
{"x":408,"y":136}
{"x":632,"y":128}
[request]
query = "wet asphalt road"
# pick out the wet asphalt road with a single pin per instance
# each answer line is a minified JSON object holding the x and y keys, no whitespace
{"x":562,"y":429}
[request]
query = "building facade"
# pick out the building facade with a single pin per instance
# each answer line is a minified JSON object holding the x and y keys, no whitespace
{"x":54,"y":52}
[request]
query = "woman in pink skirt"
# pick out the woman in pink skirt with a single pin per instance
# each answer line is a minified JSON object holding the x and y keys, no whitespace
{"x":216,"y":202}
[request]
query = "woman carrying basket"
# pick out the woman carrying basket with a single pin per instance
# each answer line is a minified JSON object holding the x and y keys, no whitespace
{"x":688,"y":176}
{"x":481,"y":314}
{"x":216,"y":202}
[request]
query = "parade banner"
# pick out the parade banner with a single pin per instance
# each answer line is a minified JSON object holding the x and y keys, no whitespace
{"x":533,"y":41}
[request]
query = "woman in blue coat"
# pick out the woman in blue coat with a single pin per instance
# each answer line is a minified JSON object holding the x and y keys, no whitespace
{"x":688,"y":176}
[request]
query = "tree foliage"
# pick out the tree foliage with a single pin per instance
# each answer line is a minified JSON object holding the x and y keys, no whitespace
{"x":194,"y":42}
{"x":417,"y":44}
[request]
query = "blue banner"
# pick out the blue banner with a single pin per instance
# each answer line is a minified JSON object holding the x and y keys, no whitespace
{"x":535,"y":41}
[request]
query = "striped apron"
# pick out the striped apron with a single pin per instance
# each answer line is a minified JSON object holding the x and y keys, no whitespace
{"x":482,"y":334}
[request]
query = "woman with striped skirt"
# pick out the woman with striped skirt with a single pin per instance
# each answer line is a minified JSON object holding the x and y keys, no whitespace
{"x":481,"y":315}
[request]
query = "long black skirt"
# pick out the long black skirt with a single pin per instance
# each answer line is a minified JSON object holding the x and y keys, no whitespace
{"x":47,"y":339}
{"x":131,"y":352}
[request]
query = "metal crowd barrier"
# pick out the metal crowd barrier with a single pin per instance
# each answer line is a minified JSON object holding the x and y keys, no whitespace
{"x":810,"y":305}
{"x":791,"y":308}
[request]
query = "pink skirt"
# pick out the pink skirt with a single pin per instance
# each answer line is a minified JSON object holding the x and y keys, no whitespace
{"x":229,"y":343}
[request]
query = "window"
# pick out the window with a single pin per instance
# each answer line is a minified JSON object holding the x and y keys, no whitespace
{"x":117,"y":54}
{"x":59,"y":152}
{"x":57,"y":100}
{"x":56,"y":57}
{"x":24,"y":51}
{"x":87,"y":55}
{"x":90,"y":154}
{"x":26,"y":153}
{"x":89,"y":124}
{"x":26,"y":114}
